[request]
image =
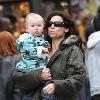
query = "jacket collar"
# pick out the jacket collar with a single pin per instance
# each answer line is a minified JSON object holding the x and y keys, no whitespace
{"x":71,"y":40}
{"x":53,"y":57}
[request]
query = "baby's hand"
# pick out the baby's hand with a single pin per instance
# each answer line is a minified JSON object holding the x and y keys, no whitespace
{"x":45,"y":50}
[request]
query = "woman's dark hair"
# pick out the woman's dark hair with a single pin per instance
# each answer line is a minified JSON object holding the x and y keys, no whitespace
{"x":68,"y":24}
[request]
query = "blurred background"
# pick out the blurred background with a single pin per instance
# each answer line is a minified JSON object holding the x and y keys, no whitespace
{"x":82,"y":11}
{"x":20,"y":8}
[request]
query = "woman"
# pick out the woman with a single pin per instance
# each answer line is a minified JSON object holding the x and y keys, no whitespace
{"x":8,"y":58}
{"x":65,"y":67}
{"x":66,"y":61}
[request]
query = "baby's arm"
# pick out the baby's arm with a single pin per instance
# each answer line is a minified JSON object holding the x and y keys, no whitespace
{"x":46,"y":47}
{"x":42,"y":50}
{"x":18,"y":43}
{"x":20,"y":40}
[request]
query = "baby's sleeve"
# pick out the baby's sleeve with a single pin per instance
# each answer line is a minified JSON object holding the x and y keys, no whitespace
{"x":46,"y":44}
{"x":20,"y":41}
{"x":39,"y":51}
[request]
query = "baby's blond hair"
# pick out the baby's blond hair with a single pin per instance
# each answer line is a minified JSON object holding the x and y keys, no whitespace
{"x":34,"y":16}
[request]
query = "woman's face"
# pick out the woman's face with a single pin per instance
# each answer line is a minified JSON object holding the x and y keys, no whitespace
{"x":56,"y":27}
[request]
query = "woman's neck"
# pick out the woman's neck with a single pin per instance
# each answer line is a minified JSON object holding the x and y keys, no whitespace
{"x":56,"y":43}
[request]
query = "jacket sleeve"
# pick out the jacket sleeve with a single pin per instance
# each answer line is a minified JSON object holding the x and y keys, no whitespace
{"x":74,"y":81}
{"x":29,"y":80}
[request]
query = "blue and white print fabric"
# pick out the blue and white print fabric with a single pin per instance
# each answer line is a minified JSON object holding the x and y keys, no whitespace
{"x":27,"y":45}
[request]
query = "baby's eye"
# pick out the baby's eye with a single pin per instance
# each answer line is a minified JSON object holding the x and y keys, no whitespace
{"x":32,"y":25}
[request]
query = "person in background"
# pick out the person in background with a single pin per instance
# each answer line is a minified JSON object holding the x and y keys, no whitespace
{"x":33,"y":48}
{"x":92,"y":59}
{"x":20,"y":27}
{"x":5,"y":24}
{"x":13,"y":21}
{"x":9,"y":56}
{"x":87,"y":22}
{"x":1,"y":10}
{"x":49,"y":6}
{"x":98,"y":9}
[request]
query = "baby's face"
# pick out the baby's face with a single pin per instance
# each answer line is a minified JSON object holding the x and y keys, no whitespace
{"x":35,"y":26}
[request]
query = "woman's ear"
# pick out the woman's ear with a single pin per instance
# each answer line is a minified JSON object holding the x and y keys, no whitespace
{"x":66,"y":30}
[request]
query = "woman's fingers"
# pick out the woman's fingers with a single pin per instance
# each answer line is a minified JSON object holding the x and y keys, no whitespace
{"x":46,"y":70}
{"x":48,"y":78}
{"x":45,"y":74}
{"x":49,"y":89}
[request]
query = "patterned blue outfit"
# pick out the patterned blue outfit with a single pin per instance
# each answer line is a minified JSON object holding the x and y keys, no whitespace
{"x":28,"y":45}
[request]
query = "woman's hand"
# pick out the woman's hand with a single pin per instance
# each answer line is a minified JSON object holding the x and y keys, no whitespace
{"x":49,"y":89}
{"x":46,"y":74}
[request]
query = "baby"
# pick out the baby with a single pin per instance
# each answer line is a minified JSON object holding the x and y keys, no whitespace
{"x":33,"y":48}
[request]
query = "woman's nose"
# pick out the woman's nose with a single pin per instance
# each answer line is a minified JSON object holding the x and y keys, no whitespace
{"x":52,"y":25}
